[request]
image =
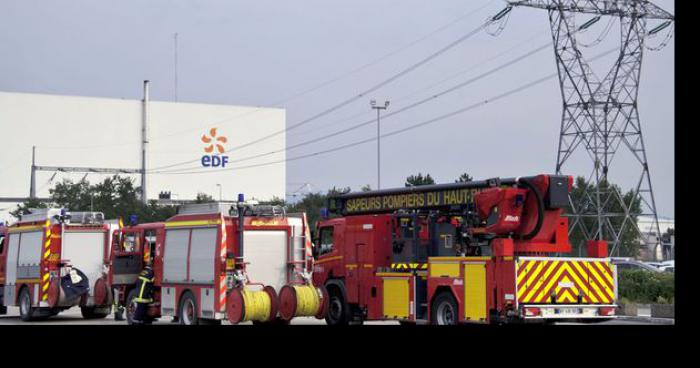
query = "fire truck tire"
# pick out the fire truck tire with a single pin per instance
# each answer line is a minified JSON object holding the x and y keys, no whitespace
{"x":338,"y":308}
{"x":26,"y":311}
{"x":102,"y":292}
{"x":443,"y":311}
{"x":130,"y":306}
{"x":95,"y":312}
{"x":188,"y":312}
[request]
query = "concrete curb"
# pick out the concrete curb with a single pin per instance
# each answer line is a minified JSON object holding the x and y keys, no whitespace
{"x":652,"y":320}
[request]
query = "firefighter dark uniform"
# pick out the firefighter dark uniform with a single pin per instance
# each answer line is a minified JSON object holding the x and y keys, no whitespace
{"x":144,"y":294}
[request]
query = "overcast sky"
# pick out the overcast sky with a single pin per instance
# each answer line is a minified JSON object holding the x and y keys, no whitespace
{"x":262,"y":52}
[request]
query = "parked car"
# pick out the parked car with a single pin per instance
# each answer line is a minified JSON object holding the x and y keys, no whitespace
{"x":633,"y":264}
{"x":655,"y":264}
{"x":667,"y":266}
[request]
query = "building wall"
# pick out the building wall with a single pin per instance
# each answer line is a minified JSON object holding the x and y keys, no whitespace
{"x":103,"y":132}
{"x":646,"y":226}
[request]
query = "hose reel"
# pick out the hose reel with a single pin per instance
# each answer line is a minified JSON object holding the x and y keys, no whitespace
{"x":303,"y":301}
{"x":252,"y":305}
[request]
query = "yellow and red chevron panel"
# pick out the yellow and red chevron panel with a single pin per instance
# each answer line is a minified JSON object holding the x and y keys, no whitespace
{"x":538,"y":279}
{"x":45,"y":281}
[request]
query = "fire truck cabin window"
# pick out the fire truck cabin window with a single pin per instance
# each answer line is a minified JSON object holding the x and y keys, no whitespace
{"x":150,"y":242}
{"x":326,"y":240}
{"x":2,"y":243}
{"x":151,"y":238}
{"x":131,"y":242}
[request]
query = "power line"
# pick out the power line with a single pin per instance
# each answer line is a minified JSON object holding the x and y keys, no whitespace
{"x":356,"y":97}
{"x":401,"y":110}
{"x":399,"y":131}
{"x":296,"y":95}
{"x":351,"y":72}
{"x":517,"y":45}
{"x":356,"y":143}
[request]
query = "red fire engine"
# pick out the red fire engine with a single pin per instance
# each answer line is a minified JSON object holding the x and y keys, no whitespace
{"x":202,"y":273}
{"x":480,"y":251}
{"x":42,"y":248}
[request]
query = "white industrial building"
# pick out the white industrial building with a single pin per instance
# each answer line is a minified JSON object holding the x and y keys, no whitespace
{"x":666,"y":249}
{"x":71,"y":131}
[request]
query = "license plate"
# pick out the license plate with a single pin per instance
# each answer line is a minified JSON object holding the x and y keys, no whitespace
{"x":567,"y":311}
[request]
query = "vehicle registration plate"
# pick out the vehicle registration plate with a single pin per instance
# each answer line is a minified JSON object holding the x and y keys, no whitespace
{"x":567,"y":311}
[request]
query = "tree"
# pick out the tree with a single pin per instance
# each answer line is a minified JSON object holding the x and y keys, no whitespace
{"x":416,"y":180}
{"x":275,"y":201}
{"x":153,"y":212}
{"x":366,"y":188}
{"x":313,"y":202}
{"x":464,"y":178}
{"x":629,"y":239}
{"x":338,"y":191}
{"x":203,"y":198}
{"x":23,"y":208}
{"x":115,"y":197}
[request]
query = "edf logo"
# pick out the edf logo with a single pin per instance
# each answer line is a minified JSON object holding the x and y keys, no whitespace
{"x":213,"y":142}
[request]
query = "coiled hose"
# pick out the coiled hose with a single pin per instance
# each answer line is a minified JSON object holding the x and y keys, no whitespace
{"x":302,"y":301}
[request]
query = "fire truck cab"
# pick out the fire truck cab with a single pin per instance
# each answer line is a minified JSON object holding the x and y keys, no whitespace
{"x":477,"y":252}
{"x":132,"y":246}
{"x":194,"y":257}
{"x":37,"y":254}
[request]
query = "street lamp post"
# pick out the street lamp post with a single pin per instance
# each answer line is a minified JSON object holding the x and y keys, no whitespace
{"x":373,"y":103}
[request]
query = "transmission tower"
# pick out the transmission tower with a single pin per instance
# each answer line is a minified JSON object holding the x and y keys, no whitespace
{"x":600,"y":115}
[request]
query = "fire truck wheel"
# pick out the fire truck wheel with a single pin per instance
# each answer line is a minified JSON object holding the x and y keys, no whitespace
{"x":26,"y":311}
{"x":188,"y":311}
{"x":95,"y":312}
{"x":130,"y":306}
{"x":338,"y":309}
{"x":444,"y":309}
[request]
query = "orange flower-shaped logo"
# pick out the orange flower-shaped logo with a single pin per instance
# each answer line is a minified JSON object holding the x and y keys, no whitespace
{"x":214,"y":141}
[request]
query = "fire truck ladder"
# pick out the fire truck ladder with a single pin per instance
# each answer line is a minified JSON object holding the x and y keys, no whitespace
{"x":296,"y":267}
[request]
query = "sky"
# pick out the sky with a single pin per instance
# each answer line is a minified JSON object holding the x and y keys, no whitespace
{"x":310,"y":55}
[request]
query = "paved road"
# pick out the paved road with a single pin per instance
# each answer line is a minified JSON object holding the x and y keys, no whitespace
{"x":73,"y":317}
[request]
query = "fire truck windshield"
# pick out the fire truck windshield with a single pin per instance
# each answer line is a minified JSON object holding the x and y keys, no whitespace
{"x":326,"y":240}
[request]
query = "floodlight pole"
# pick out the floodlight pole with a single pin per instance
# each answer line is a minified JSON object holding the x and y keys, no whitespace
{"x":373,"y":104}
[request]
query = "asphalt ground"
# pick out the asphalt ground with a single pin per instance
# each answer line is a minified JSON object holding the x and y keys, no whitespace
{"x":72,"y":317}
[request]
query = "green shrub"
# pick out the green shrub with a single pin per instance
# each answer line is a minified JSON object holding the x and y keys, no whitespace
{"x":639,"y":286}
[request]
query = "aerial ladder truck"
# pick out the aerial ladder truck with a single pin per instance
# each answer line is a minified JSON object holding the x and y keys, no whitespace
{"x":472,"y":252}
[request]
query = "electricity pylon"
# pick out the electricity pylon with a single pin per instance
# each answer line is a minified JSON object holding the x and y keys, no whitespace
{"x":600,"y":116}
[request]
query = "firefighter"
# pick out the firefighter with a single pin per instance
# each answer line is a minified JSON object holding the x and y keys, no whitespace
{"x":144,"y":296}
